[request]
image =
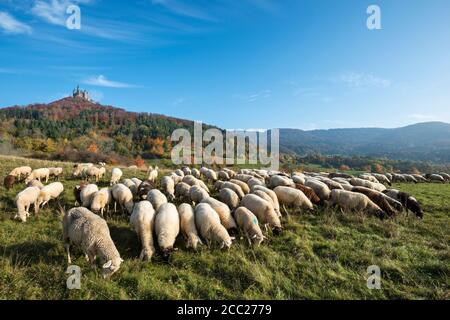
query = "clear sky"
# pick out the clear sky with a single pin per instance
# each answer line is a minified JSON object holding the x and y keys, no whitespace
{"x":236,"y":64}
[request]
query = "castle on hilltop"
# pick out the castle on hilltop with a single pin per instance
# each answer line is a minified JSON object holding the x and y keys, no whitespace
{"x":82,"y":94}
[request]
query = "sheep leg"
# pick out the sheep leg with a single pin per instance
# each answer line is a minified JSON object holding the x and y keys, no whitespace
{"x":69,"y":260}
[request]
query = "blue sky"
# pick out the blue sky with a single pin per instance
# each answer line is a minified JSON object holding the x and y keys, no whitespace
{"x":236,"y":64}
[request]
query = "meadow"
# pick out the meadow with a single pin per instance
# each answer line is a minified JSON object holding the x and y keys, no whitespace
{"x":323,"y":255}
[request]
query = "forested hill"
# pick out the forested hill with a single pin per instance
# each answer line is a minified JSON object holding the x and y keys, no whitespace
{"x":74,"y":128}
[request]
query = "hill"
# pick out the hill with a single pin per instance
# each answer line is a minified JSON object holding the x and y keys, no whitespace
{"x":428,"y":141}
{"x":75,"y":128}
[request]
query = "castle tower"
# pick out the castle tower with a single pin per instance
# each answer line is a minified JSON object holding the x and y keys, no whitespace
{"x":81,"y":94}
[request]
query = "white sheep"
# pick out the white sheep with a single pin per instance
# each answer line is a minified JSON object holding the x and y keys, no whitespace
{"x":186,"y":171}
{"x":244,"y":186}
{"x":179,"y":172}
{"x":223,"y":175}
{"x":248,"y":224}
{"x":299,"y":178}
{"x":90,"y":232}
{"x":157,"y":198}
{"x":195,"y":173}
{"x":272,"y":195}
{"x":223,"y":211}
{"x":229,"y":197}
{"x":263,"y":210}
{"x":137,"y":182}
{"x":94,"y":172}
{"x":123,"y":196}
{"x":176,"y":178}
{"x":168,"y":186}
{"x":187,"y":225}
{"x":367,"y":184}
{"x":86,"y":195}
{"x":243,"y":177}
{"x":351,"y":201}
{"x":39,"y":174}
{"x":49,"y":192}
{"x":116,"y":175}
{"x":21,"y":171}
{"x":24,"y":200}
{"x":233,"y":186}
{"x":266,"y":197}
{"x":143,"y":220}
{"x":167,"y":228}
{"x":182,"y":191}
{"x":55,"y":172}
{"x":153,"y":174}
{"x":293,"y":197}
{"x":35,"y":183}
{"x":255,"y":182}
{"x":208,"y":225}
{"x":320,"y":188}
{"x":80,"y":169}
{"x":209,"y":174}
{"x":197,"y":194}
{"x":101,"y":200}
{"x":277,"y":180}
{"x":131,"y":185}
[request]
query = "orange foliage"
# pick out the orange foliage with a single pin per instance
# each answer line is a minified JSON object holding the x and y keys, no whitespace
{"x":344,"y":168}
{"x":93,"y":148}
{"x":139,"y":162}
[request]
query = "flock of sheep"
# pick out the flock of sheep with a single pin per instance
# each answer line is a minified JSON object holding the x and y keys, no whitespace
{"x":248,"y":201}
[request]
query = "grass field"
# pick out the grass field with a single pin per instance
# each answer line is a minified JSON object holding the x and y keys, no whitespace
{"x":319,"y":256}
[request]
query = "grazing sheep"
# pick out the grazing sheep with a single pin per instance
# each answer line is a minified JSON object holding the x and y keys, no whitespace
{"x":90,"y":232}
{"x":100,"y":200}
{"x":94,"y":172}
{"x":179,"y":172}
{"x":435,"y":177}
{"x":9,"y":182}
{"x":76,"y":192}
{"x":116,"y":175}
{"x":266,"y":197}
{"x":122,"y":195}
{"x":229,"y":197}
{"x":182,"y":191}
{"x":143,"y":219}
{"x":243,"y":177}
{"x":197,"y":194}
{"x":152,"y":174}
{"x":340,"y":175}
{"x":168,"y":186}
{"x":331,"y":184}
{"x":80,"y":169}
{"x":86,"y":195}
{"x":398,"y":178}
{"x":419,"y":178}
{"x":24,"y":200}
{"x":210,"y":175}
{"x":131,"y":185}
{"x":55,"y":172}
{"x":187,"y":225}
{"x":351,"y":201}
{"x":444,"y":175}
{"x":176,"y":178}
{"x":190,"y":180}
{"x":248,"y":224}
{"x":264,"y":211}
{"x":35,"y":183}
{"x":223,"y":175}
{"x":186,"y":171}
{"x":21,"y":171}
{"x":389,"y":176}
{"x":50,"y":192}
{"x":309,"y":193}
{"x":357,"y":182}
{"x":167,"y":228}
{"x":157,"y":198}
{"x":382,"y":178}
{"x":144,"y":189}
{"x":195,"y":173}
{"x":380,"y":199}
{"x":236,"y":188}
{"x":299,"y":179}
{"x":410,"y":178}
{"x":272,"y":195}
{"x":407,"y":201}
{"x":244,"y":186}
{"x":277,"y":180}
{"x":293,"y":197}
{"x":254,"y":182}
{"x":137,"y":182}
{"x":208,"y":225}
{"x":224,"y":213}
{"x":320,"y":188}
{"x":39,"y":174}
{"x":368,"y":177}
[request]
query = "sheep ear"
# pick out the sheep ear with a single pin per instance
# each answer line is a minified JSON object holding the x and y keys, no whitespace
{"x":107,"y":265}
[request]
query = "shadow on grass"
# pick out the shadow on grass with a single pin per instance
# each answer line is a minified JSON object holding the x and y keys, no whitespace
{"x":126,"y":241}
{"x":33,"y":253}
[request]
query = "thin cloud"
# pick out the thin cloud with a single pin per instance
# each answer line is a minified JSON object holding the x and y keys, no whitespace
{"x":102,"y":81}
{"x":357,"y":80}
{"x":179,"y":101}
{"x":183,"y":9}
{"x":254,"y":96}
{"x":422,"y":117}
{"x":10,"y":25}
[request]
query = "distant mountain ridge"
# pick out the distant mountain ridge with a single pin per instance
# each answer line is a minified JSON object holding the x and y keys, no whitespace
{"x":429,"y":141}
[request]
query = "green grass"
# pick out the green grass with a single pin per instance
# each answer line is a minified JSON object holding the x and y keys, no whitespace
{"x":319,"y":256}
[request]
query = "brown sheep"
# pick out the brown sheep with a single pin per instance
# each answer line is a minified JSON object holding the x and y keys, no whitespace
{"x":9,"y":182}
{"x":378,"y":198}
{"x":309,"y":193}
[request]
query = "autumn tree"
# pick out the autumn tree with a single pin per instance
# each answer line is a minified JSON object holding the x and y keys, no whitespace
{"x":92,"y":148}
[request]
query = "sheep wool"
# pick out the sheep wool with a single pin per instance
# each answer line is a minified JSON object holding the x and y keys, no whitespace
{"x":223,"y":211}
{"x":167,"y":228}
{"x":208,"y":224}
{"x":248,"y":223}
{"x":187,"y":225}
{"x":142,"y":220}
